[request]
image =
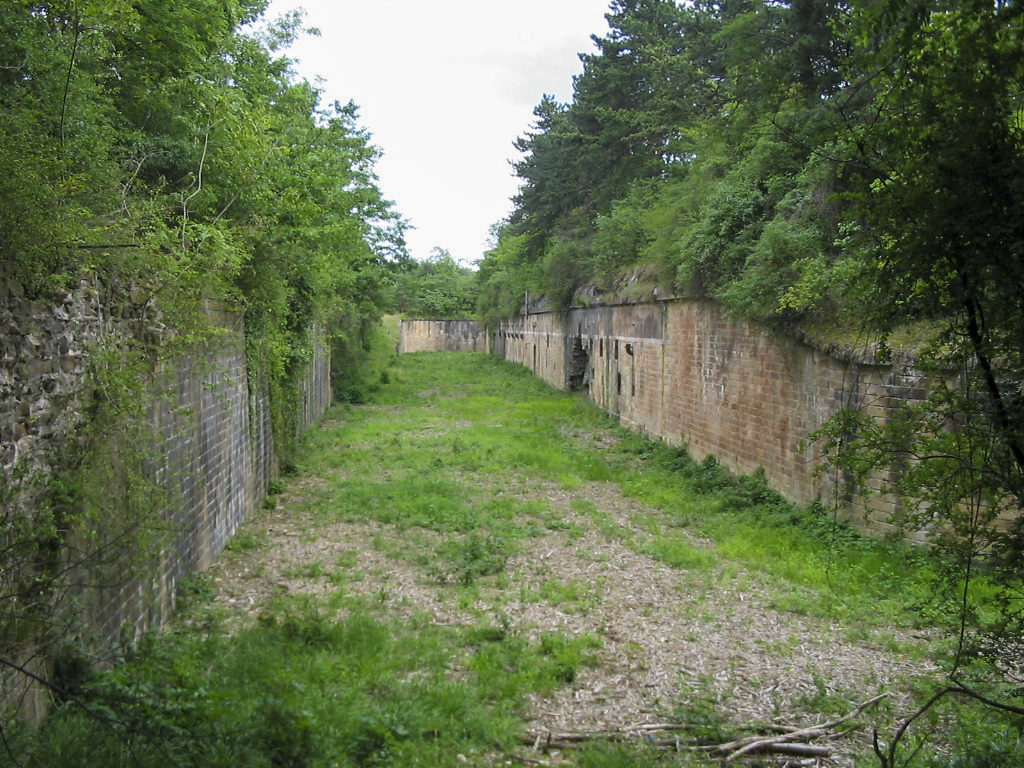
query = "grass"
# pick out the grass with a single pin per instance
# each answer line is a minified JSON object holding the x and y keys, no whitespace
{"x":457,"y":459}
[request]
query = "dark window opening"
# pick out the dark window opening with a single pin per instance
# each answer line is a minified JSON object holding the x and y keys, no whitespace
{"x":579,"y":367}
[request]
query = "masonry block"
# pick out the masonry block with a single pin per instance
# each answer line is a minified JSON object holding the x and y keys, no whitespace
{"x":719,"y":385}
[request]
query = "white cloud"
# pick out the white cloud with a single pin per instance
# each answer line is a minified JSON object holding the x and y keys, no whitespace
{"x":445,"y":87}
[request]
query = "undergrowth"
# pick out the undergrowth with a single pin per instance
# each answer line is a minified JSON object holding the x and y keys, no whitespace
{"x":449,"y":456}
{"x":808,"y":549}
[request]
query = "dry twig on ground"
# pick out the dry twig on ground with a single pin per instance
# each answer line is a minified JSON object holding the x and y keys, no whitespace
{"x":791,"y":742}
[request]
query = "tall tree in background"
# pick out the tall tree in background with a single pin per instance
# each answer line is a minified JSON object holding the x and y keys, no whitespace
{"x":628,"y":123}
{"x":689,"y":145}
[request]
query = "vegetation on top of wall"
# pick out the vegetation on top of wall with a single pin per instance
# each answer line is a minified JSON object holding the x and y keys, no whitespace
{"x":797,"y":161}
{"x":176,"y":154}
{"x":815,"y":164}
{"x":436,"y":288}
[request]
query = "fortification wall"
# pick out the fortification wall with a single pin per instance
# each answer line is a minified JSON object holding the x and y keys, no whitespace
{"x":214,"y":449}
{"x":442,"y":336}
{"x":682,"y":371}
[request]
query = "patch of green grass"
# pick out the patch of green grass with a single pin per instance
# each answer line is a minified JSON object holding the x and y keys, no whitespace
{"x":247,"y":540}
{"x":301,"y":689}
{"x":802,"y":548}
{"x":304,"y":571}
{"x":571,"y":596}
{"x":512,"y":665}
{"x":467,"y":559}
{"x":404,"y":500}
{"x":348,"y":559}
{"x":679,"y":554}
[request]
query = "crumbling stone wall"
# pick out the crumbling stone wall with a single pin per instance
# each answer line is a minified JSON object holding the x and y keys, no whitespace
{"x":682,"y":371}
{"x":212,"y":424}
{"x":442,"y":336}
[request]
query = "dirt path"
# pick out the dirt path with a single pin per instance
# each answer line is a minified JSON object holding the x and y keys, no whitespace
{"x":674,"y":641}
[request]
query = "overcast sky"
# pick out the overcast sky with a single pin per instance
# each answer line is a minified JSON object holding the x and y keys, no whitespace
{"x":445,"y":87}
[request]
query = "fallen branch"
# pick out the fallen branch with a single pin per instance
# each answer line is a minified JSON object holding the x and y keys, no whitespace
{"x":734,"y":749}
{"x":781,"y":743}
{"x":543,"y":741}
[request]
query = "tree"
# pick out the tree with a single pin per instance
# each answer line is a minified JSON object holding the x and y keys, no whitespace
{"x":940,"y":184}
{"x":172,"y":153}
{"x":692,"y":144}
{"x":437,"y":288}
{"x":937,"y":172}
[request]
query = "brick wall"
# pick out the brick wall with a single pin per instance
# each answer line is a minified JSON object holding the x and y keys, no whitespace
{"x":316,"y":384}
{"x":214,"y":452}
{"x":442,"y":336}
{"x":684,"y":372}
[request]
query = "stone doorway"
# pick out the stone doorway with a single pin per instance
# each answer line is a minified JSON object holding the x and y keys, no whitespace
{"x":579,"y":366}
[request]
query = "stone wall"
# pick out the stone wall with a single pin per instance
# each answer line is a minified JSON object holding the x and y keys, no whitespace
{"x":442,"y":336}
{"x":212,"y":427}
{"x":316,"y":385}
{"x":683,"y":372}
{"x":215,"y":464}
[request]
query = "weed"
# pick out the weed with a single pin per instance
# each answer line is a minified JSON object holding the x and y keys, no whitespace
{"x":511,"y":666}
{"x":473,"y":557}
{"x":304,"y":571}
{"x":701,"y":711}
{"x":348,"y":559}
{"x":583,"y":506}
{"x":247,"y":540}
{"x":197,"y":588}
{"x":567,"y":654}
{"x":679,"y":554}
{"x":572,"y":596}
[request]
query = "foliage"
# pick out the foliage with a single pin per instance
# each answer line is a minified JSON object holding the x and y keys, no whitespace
{"x":176,"y":154}
{"x":170,"y":155}
{"x":296,"y":689}
{"x":695,"y":142}
{"x":361,"y":358}
{"x":435,"y":288}
{"x":857,"y":162}
{"x":940,"y":172}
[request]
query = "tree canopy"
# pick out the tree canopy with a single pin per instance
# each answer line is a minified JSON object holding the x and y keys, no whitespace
{"x":175,"y":150}
{"x":436,"y":288}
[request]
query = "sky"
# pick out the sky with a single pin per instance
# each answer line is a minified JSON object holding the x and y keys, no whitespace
{"x":445,"y":87}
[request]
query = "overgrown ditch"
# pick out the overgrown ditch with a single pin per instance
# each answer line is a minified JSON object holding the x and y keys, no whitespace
{"x":474,"y":569}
